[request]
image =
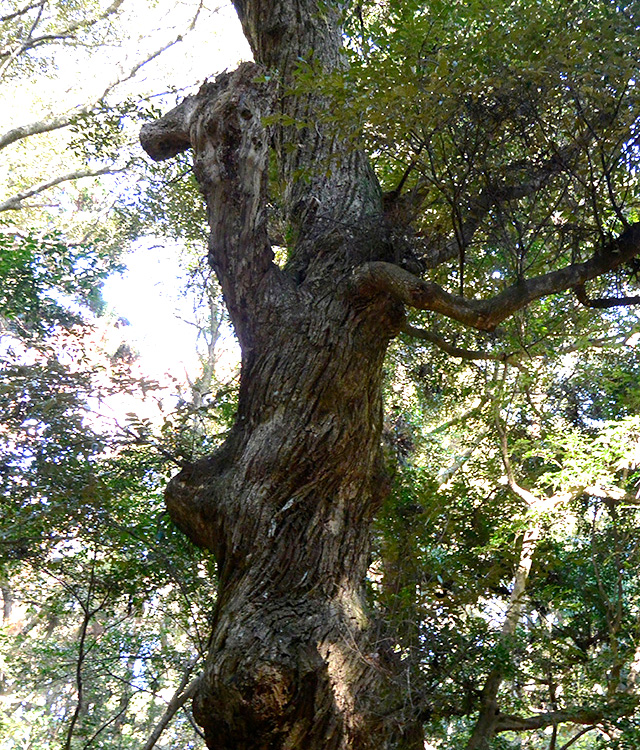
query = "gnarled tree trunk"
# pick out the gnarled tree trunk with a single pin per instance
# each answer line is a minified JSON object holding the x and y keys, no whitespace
{"x":287,"y":502}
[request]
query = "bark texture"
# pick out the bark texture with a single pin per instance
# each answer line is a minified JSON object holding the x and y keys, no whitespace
{"x":287,"y":503}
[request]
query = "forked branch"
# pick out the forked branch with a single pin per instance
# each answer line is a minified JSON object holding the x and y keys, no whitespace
{"x":500,"y":192}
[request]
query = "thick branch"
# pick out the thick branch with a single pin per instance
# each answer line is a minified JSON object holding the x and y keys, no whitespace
{"x":42,"y":126}
{"x":386,"y":278}
{"x":612,"y":494}
{"x":223,"y":123}
{"x":170,"y":135}
{"x":587,"y":716}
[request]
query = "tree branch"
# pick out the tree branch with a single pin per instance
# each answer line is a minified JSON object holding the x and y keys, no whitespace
{"x":499,"y":193}
{"x":511,"y":723}
{"x":612,"y":495}
{"x":379,"y":277}
{"x":588,"y":716}
{"x":11,"y":16}
{"x":467,"y":415}
{"x":530,"y":499}
{"x":603,"y":303}
{"x":223,"y":123}
{"x":456,"y":351}
{"x":444,"y":475}
{"x":180,"y":697}
{"x":62,"y":121}
{"x":576,"y":737}
{"x":73,"y":27}
{"x":32,"y":42}
{"x":14,"y":203}
{"x":22,"y":47}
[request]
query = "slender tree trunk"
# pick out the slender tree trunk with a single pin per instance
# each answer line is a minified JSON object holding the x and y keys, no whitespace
{"x":489,"y":715}
{"x":484,"y":729}
{"x":7,"y":601}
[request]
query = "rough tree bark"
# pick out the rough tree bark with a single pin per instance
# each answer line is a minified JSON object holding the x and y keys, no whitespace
{"x":287,"y":502}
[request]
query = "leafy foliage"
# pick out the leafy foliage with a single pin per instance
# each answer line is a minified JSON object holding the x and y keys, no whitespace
{"x":39,"y":273}
{"x":450,"y":541}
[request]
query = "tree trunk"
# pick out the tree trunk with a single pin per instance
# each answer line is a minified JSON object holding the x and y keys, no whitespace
{"x":286,"y":507}
{"x":287,"y":502}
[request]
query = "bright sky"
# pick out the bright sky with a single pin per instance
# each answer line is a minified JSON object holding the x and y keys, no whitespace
{"x":149,"y":293}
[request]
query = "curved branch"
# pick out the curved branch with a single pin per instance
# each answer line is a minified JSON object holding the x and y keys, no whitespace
{"x":379,"y":277}
{"x":15,"y":202}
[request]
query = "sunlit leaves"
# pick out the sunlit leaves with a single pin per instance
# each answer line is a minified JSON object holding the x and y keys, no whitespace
{"x":42,"y":278}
